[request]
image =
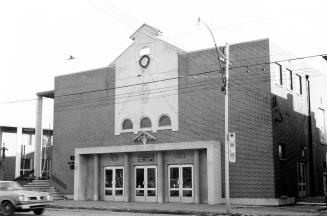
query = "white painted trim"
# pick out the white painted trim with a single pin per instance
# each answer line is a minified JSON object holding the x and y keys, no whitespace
{"x":19,"y":143}
{"x":213,"y":163}
{"x":148,"y":147}
{"x":164,"y":128}
{"x":127,"y":131}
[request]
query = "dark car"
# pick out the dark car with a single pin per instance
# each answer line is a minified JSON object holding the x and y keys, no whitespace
{"x":14,"y":199}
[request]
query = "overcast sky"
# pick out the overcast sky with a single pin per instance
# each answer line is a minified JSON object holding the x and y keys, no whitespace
{"x":37,"y":37}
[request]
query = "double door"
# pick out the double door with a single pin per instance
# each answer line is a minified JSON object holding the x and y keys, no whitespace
{"x":180,"y":183}
{"x":146,"y":183}
{"x":114,"y":183}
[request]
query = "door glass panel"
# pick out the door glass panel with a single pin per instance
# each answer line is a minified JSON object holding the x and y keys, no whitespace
{"x":139,"y":182}
{"x":187,"y":177}
{"x":151,"y":193}
{"x":108,"y":178}
{"x":174,"y":177}
{"x":119,"y":178}
{"x":174,"y":193}
{"x":108,"y":192}
{"x":119,"y":192}
{"x":151,"y":178}
{"x":187,"y":193}
{"x":140,"y":178}
{"x":139,"y":192}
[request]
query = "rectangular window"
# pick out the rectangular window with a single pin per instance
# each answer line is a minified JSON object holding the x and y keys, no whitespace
{"x":25,"y":165}
{"x":299,"y":84}
{"x":290,"y":79}
{"x":280,"y":74}
{"x":321,"y":124}
{"x":281,"y":151}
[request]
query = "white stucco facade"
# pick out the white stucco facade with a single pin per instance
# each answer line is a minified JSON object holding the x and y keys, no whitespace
{"x":150,"y":91}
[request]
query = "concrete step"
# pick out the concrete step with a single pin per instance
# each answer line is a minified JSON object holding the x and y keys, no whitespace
{"x":44,"y":186}
{"x":37,"y":186}
{"x":38,"y":183}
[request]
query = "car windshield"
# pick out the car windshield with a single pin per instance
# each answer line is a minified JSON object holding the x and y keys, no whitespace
{"x":9,"y":186}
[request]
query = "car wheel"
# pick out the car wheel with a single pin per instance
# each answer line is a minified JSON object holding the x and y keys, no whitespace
{"x":7,"y":208}
{"x":38,"y":211}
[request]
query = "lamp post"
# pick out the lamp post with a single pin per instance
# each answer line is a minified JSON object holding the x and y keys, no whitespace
{"x":225,"y":57}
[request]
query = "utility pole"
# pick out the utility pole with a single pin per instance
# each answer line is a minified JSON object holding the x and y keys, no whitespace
{"x":311,"y":167}
{"x":225,"y":77}
{"x":228,"y":207}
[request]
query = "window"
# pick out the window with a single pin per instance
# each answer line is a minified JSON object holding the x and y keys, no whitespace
{"x":299,"y":84}
{"x":127,"y":124}
{"x":281,"y":151}
{"x":145,"y":51}
{"x":25,"y":165}
{"x":28,"y":139}
{"x":164,"y":121}
{"x":145,"y":123}
{"x":290,"y":79}
{"x":321,"y":124}
{"x":280,"y":74}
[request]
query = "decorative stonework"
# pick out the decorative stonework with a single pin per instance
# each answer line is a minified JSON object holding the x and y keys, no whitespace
{"x":144,"y":137}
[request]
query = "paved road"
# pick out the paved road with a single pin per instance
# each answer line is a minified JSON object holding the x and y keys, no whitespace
{"x":72,"y":212}
{"x":67,"y":212}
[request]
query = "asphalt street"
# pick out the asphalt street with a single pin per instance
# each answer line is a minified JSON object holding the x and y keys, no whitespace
{"x":67,"y":212}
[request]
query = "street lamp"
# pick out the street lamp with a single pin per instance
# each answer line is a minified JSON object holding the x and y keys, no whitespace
{"x":225,"y":57}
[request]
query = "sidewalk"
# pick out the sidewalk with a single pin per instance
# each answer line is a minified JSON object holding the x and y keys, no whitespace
{"x":190,"y":209}
{"x":318,"y":200}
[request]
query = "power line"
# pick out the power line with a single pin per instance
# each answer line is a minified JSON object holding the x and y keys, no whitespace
{"x":161,"y":80}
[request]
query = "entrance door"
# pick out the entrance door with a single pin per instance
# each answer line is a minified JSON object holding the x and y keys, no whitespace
{"x":302,"y":180}
{"x":146,"y":183}
{"x":180,"y":183}
{"x":325,"y":183}
{"x":114,"y":183}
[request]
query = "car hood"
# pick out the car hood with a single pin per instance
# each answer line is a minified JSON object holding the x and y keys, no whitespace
{"x":30,"y":193}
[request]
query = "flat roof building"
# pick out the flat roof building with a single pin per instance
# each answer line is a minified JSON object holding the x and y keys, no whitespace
{"x":150,"y":127}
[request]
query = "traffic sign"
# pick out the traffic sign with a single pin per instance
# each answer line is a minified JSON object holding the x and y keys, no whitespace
{"x":232,"y":147}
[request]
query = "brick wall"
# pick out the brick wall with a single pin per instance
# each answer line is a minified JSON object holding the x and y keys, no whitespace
{"x":202,"y":113}
{"x":87,"y":119}
{"x":319,"y":155}
{"x":290,"y":130}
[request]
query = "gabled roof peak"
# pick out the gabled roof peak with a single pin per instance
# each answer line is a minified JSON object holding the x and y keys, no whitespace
{"x":146,"y":30}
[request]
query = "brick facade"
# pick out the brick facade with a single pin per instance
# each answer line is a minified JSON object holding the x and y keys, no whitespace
{"x":84,"y":115}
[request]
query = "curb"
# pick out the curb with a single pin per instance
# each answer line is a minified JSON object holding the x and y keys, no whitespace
{"x":311,"y":203}
{"x":150,"y":211}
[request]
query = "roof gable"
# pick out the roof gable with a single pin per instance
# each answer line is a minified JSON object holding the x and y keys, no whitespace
{"x":147,"y":30}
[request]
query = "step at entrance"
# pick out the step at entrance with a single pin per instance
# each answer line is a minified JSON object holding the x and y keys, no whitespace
{"x":44,"y":186}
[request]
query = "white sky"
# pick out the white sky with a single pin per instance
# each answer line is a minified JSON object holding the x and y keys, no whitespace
{"x":37,"y":36}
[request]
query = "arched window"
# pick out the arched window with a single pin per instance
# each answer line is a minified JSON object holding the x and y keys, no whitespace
{"x":127,"y":124}
{"x":164,"y":121}
{"x":145,"y":123}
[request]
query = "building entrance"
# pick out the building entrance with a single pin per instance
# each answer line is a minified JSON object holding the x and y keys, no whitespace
{"x":114,"y":183}
{"x":302,"y":179}
{"x":180,"y":183}
{"x":146,"y":183}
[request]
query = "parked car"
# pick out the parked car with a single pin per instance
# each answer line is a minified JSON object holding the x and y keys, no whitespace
{"x":14,"y":199}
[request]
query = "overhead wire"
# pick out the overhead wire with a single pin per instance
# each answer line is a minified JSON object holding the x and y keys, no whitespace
{"x":161,"y":80}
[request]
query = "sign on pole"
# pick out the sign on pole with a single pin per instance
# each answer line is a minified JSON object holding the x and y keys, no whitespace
{"x":232,"y":147}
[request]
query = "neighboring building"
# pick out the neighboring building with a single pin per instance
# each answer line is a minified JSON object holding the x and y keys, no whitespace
{"x":150,"y":127}
{"x":20,"y":145}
